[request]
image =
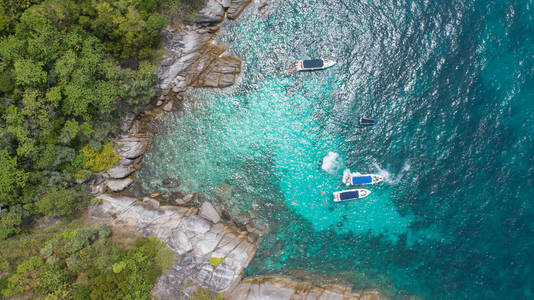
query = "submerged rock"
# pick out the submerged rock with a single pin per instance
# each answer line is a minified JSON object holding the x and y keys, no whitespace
{"x":186,"y":199}
{"x":222,"y":73}
{"x":171,"y":183}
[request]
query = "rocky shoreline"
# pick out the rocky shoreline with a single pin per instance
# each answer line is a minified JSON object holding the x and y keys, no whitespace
{"x":210,"y":254}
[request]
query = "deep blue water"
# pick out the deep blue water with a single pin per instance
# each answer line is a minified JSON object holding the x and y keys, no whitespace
{"x":452,"y":85}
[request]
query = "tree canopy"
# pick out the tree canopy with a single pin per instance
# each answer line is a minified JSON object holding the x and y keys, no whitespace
{"x":68,"y":69}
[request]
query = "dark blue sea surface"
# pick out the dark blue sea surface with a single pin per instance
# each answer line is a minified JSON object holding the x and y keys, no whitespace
{"x":452,"y":85}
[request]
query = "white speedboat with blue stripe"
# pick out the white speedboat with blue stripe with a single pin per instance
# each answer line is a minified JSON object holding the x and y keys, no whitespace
{"x":351,"y":195}
{"x":312,"y":65}
{"x":361,"y":179}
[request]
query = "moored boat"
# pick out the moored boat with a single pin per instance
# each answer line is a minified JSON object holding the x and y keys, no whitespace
{"x":348,"y":195}
{"x":367,"y":122}
{"x":312,"y":65}
{"x":361,"y":179}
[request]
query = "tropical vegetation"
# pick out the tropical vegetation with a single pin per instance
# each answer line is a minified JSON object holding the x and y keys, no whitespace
{"x":69,"y":70}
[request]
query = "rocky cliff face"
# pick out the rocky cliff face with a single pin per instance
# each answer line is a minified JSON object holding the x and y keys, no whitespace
{"x":193,"y":59}
{"x":192,"y":235}
{"x":280,"y":288}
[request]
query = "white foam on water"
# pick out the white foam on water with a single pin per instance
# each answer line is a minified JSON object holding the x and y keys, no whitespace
{"x":332,"y":163}
{"x":391,"y":178}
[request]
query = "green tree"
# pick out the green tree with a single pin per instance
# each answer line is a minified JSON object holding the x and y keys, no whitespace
{"x":59,"y":202}
{"x":12,"y":179}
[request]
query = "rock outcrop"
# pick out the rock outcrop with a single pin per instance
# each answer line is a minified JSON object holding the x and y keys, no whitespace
{"x":209,"y":212}
{"x":193,"y":58}
{"x":236,"y":7}
{"x":132,"y":146}
{"x":280,"y":288}
{"x":211,"y":13}
{"x":117,"y":185}
{"x":194,"y":238}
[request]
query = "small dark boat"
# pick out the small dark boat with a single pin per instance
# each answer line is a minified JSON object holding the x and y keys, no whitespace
{"x":367,"y":122}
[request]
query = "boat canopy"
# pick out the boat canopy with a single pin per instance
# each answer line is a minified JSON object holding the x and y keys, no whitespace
{"x":312,"y":63}
{"x":348,"y":195}
{"x":362,"y":179}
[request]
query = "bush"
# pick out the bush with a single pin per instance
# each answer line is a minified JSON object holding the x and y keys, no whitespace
{"x":205,"y":294}
{"x":81,"y":263}
{"x":10,"y":222}
{"x":59,"y":202}
{"x":25,"y":278}
{"x":216,"y":261}
{"x":99,"y":161}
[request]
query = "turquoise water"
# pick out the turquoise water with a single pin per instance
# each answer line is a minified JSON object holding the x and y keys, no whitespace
{"x":452,"y":85}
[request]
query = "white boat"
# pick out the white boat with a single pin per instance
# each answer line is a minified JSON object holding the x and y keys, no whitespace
{"x":312,"y":65}
{"x":360,"y":179}
{"x":351,"y":195}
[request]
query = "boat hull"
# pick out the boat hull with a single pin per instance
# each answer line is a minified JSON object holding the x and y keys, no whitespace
{"x":300,"y":65}
{"x":367,"y":122}
{"x":361,"y":179}
{"x":348,"y":195}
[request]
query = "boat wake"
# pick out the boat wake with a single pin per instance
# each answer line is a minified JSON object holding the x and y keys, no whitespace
{"x":332,"y":163}
{"x":391,"y":178}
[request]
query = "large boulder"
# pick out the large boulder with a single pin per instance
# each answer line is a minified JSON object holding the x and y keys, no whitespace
{"x":132,"y":147}
{"x":236,"y":7}
{"x":207,"y":211}
{"x":117,"y":185}
{"x":212,"y":13}
{"x":120,"y":171}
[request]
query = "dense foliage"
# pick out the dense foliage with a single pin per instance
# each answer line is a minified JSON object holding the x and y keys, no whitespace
{"x":68,"y":69}
{"x":80,"y":262}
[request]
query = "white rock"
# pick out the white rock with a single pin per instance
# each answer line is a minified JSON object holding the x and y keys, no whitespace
{"x":203,"y":274}
{"x":179,"y":242}
{"x":120,"y":171}
{"x":117,"y":185}
{"x":206,"y":243}
{"x":131,"y":147}
{"x":228,"y":243}
{"x":196,"y":224}
{"x":222,"y":278}
{"x":168,"y":106}
{"x":241,"y":255}
{"x":272,"y":292}
{"x":212,"y":12}
{"x":116,"y":204}
{"x":207,"y":211}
